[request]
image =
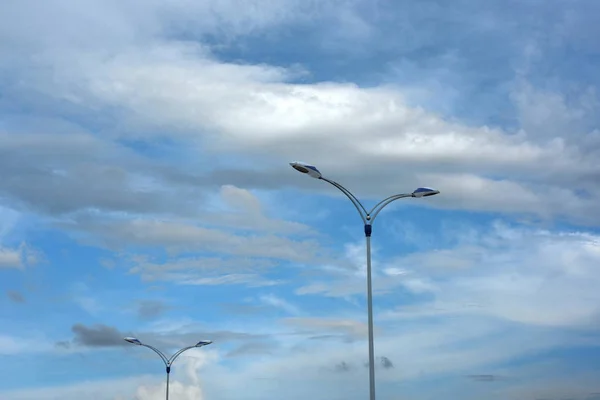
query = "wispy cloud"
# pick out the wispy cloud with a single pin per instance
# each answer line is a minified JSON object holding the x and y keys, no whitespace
{"x":278,"y":302}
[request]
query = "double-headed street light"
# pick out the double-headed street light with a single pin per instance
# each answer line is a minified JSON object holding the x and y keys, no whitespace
{"x":367,"y":218}
{"x":168,"y":361}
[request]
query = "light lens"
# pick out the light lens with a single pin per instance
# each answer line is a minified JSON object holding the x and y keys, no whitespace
{"x":133,"y":340}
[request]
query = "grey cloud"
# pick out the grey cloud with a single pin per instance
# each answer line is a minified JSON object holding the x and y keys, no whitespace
{"x":98,"y":336}
{"x":55,"y":176}
{"x":330,"y":337}
{"x":483,"y":377}
{"x":65,"y":344}
{"x":342,"y":367}
{"x":16,"y":297}
{"x":177,"y":236}
{"x":386,"y":363}
{"x":148,"y":309}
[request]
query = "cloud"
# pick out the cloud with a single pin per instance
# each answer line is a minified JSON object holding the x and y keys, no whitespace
{"x":98,"y":336}
{"x":483,"y":378}
{"x":15,"y":296}
{"x":342,"y":366}
{"x":252,"y":349}
{"x":383,"y":361}
{"x":172,"y":337}
{"x":120,"y":389}
{"x":58,"y":177}
{"x":176,"y":389}
{"x":148,"y":309}
{"x":19,"y":257}
{"x":250,"y":280}
{"x":277,"y":302}
{"x":178,"y":236}
{"x":10,"y":258}
{"x":167,"y":84}
{"x":509,"y":271}
{"x":386,"y":363}
{"x":516,"y":273}
{"x":185,"y":384}
{"x":402,"y":136}
{"x":348,"y":329}
{"x":227,"y":248}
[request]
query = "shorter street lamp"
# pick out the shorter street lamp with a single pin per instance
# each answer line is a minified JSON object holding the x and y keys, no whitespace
{"x":168,"y":361}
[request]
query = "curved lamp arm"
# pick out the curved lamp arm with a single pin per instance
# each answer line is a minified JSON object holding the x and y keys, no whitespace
{"x":174,"y":356}
{"x":161,"y":355}
{"x":381,"y":205}
{"x":367,"y":217}
{"x":359,"y":207}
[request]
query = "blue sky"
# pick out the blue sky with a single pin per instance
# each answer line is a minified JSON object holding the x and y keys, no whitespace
{"x":146,"y":191}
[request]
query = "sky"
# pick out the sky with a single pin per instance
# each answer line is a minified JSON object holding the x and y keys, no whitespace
{"x":146,"y":191}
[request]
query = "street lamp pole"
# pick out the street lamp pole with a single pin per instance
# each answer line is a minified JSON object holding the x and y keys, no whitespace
{"x":168,"y":361}
{"x":368,"y":217}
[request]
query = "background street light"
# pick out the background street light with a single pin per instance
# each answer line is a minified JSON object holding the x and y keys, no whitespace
{"x":168,"y":361}
{"x":367,"y":217}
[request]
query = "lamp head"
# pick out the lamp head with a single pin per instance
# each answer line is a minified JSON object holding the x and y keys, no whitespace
{"x":132,"y":340}
{"x":424,"y":192}
{"x":203,"y":343}
{"x":310,"y":170}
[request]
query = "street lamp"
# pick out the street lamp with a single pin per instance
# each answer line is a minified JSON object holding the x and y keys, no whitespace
{"x":168,"y":361}
{"x":367,"y":218}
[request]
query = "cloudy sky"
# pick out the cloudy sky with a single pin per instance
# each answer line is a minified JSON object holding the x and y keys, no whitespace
{"x":145,"y":190}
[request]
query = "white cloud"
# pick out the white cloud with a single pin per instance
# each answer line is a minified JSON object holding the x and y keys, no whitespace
{"x":19,"y":257}
{"x":277,"y":302}
{"x":521,"y":274}
{"x":252,"y":108}
{"x":120,"y":389}
{"x":10,"y":258}
{"x":231,"y":108}
{"x":251,"y":280}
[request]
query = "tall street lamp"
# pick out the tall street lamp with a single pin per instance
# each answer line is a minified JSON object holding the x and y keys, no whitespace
{"x":367,"y":218}
{"x":168,"y":361}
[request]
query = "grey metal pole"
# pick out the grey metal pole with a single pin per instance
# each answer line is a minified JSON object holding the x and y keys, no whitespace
{"x":368,"y":218}
{"x":168,"y":374}
{"x":370,"y":312}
